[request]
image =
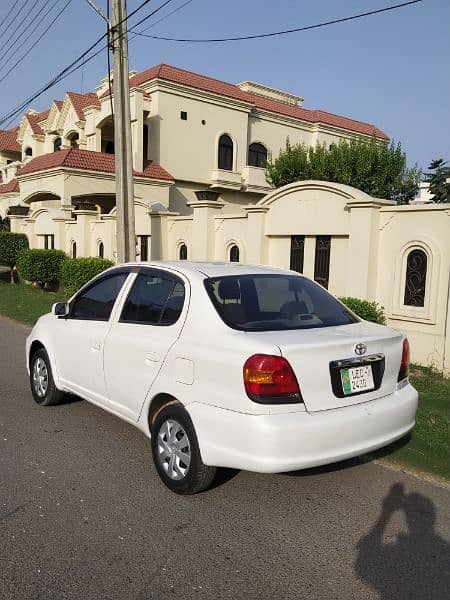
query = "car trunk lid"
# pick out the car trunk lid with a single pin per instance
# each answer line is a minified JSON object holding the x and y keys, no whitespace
{"x":319,"y":355}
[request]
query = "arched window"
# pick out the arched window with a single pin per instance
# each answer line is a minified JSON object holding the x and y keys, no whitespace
{"x":28,"y":151}
{"x":416,"y":277}
{"x":74,"y":250}
{"x":234,"y":253}
{"x":73,"y":139}
{"x":101,"y":250}
{"x":225,"y":161}
{"x":57,"y":143}
{"x":182,"y":252}
{"x":257,"y":155}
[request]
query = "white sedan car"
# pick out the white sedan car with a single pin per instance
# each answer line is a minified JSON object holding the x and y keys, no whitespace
{"x":226,"y":365}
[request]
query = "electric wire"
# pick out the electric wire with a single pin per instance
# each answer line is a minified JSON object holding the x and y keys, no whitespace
{"x":74,"y":66}
{"x":16,"y":16}
{"x":109,"y":64}
{"x":10,"y":43}
{"x":277,"y":33}
{"x":36,"y":42}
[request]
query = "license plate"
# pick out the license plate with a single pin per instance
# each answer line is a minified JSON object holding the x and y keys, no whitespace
{"x":357,"y":379}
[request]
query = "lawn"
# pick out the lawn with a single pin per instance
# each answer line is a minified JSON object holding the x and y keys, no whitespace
{"x":426,"y":450}
{"x":25,"y":303}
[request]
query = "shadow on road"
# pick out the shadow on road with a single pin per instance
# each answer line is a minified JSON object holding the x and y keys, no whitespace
{"x":414,"y":565}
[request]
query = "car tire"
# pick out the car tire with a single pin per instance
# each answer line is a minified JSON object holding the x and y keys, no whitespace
{"x":176,"y":452}
{"x":42,"y":384}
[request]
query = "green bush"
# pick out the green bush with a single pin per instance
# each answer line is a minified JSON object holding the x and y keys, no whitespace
{"x":75,"y":272}
{"x":41,"y":266}
{"x":11,"y":244}
{"x":369,"y":311}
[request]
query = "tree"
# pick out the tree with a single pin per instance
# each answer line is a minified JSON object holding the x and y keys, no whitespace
{"x":439,"y":186}
{"x":375,"y":167}
{"x":10,"y":246}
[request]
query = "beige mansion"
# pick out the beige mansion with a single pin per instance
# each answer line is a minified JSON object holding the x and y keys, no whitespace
{"x":199,"y":150}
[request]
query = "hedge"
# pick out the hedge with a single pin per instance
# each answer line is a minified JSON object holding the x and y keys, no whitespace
{"x":41,"y":266}
{"x":369,"y":311}
{"x":11,"y":244}
{"x":75,"y":272}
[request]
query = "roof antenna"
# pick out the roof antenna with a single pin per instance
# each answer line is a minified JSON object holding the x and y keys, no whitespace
{"x":82,"y":77}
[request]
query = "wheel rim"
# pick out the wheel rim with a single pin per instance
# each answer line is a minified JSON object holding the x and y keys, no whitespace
{"x":40,"y":377}
{"x":174,"y":449}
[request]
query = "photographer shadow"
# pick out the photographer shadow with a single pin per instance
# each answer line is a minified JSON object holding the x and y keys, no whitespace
{"x":414,"y":565}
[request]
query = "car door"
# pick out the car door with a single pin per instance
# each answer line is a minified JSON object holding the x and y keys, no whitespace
{"x":79,"y":347}
{"x":140,"y":337}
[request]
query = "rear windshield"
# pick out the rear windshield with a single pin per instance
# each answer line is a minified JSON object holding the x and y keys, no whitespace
{"x":275,"y":302}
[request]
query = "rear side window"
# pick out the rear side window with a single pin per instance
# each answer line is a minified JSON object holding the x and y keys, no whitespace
{"x":96,"y":302}
{"x":275,"y":302}
{"x":154,"y":300}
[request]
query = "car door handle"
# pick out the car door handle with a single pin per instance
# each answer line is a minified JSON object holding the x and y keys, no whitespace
{"x":151,"y":358}
{"x":96,"y":346}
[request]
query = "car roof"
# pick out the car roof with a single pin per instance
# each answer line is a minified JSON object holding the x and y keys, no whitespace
{"x":212,"y":269}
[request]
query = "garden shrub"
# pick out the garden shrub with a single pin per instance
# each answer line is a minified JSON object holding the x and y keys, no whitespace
{"x":11,"y":244}
{"x":75,"y":272}
{"x":369,"y":311}
{"x":41,"y":266}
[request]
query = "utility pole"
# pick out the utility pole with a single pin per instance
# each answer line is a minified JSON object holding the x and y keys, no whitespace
{"x":125,"y":232}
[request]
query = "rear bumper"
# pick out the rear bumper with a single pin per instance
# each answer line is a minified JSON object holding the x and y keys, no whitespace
{"x":290,"y":441}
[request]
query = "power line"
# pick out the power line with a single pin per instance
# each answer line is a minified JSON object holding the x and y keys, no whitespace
{"x":163,"y":18}
{"x":277,"y":33}
{"x":15,"y":16}
{"x":9,"y":44}
{"x":74,"y":66}
{"x":36,"y":42}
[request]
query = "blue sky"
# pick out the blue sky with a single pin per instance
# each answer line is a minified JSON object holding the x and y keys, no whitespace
{"x":390,"y":69}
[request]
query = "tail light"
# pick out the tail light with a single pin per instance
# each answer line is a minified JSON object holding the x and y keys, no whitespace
{"x":404,"y":366}
{"x":270,"y":380}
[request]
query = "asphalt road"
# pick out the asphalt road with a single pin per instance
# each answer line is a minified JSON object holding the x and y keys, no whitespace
{"x":83,"y":516}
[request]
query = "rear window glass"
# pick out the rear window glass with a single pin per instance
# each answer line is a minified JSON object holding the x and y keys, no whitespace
{"x":275,"y":302}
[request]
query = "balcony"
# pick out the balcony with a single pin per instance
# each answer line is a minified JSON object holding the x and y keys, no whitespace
{"x":227,"y":180}
{"x":254,"y":180}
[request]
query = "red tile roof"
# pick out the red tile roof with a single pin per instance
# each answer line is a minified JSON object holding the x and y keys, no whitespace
{"x":221,"y":88}
{"x":8,"y":140}
{"x":87,"y":160}
{"x":11,"y":186}
{"x":34,"y":119}
{"x":82,"y":101}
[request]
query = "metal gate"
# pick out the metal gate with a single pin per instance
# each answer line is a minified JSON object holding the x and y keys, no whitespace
{"x":322,"y":260}
{"x":297,"y":252}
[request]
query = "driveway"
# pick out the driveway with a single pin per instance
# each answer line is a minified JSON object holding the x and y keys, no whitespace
{"x":83,"y":516}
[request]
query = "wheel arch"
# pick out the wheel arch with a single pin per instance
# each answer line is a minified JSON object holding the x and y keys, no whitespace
{"x":157,"y":403}
{"x":37,"y":344}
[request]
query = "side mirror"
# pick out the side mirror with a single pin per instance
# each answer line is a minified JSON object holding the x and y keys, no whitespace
{"x":60,"y":309}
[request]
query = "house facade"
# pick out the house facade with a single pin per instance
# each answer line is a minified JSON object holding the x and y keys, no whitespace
{"x":199,"y":150}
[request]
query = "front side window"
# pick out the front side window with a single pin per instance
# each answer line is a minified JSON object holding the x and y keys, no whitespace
{"x":97,"y":301}
{"x":154,"y":299}
{"x":416,"y":278}
{"x":225,"y":161}
{"x":257,"y":156}
{"x":275,"y":302}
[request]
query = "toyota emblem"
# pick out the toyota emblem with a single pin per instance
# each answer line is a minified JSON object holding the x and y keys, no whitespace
{"x":360,"y":349}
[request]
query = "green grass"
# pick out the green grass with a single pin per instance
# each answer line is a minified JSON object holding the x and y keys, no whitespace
{"x":426,"y":450}
{"x":26,"y":303}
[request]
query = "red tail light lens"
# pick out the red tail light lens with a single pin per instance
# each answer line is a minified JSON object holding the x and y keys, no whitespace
{"x":404,"y":367}
{"x":270,"y":380}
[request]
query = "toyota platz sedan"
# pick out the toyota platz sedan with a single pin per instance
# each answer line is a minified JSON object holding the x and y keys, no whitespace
{"x":226,"y":365}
